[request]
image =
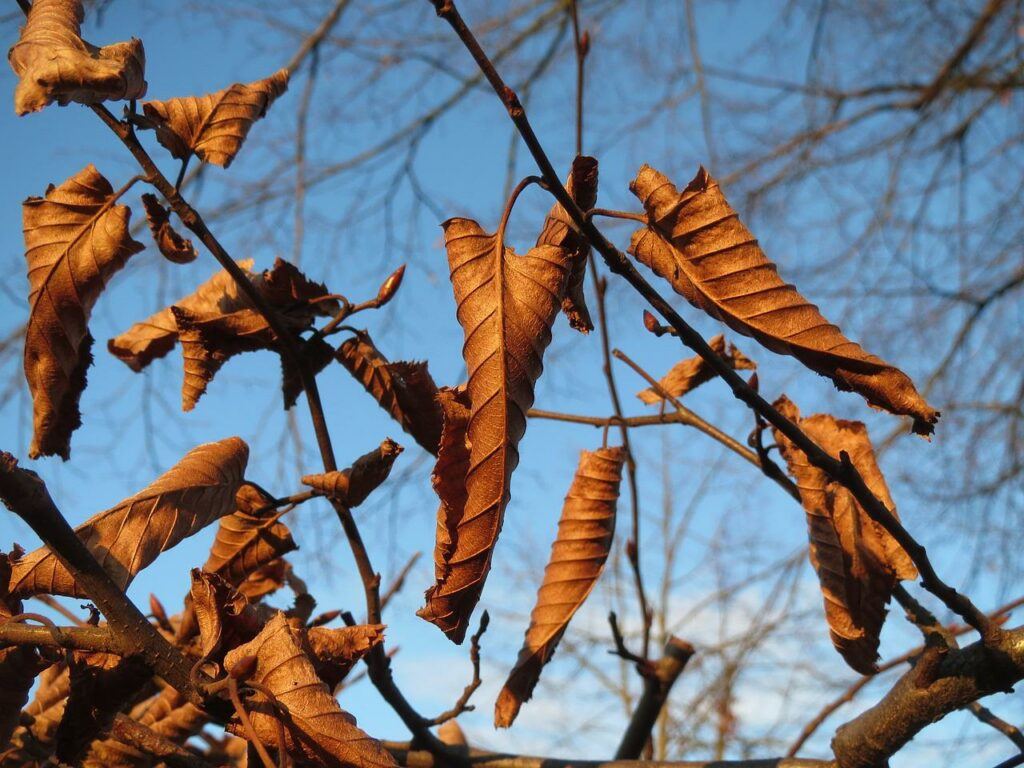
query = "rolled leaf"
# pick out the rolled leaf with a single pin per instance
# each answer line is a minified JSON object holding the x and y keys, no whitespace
{"x":173,"y":246}
{"x":352,"y":486}
{"x":697,"y":242}
{"x":577,"y":559}
{"x":559,"y":230}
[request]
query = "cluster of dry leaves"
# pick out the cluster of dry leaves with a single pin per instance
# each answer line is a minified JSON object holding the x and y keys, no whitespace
{"x":281,"y":669}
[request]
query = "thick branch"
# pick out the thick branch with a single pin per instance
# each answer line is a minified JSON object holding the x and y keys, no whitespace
{"x":962,"y":677}
{"x":657,"y":687}
{"x":128,"y":731}
{"x":73,"y":638}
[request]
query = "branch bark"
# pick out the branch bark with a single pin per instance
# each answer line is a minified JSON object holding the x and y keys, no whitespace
{"x":657,"y":687}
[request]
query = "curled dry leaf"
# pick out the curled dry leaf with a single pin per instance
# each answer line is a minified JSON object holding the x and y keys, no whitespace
{"x":334,"y":652}
{"x":686,"y":375}
{"x":506,"y":304}
{"x":223,"y":615}
{"x":155,"y":336}
{"x":54,"y":63}
{"x":173,"y":246}
{"x":125,"y":539}
{"x":218,"y":321}
{"x":450,"y":470}
{"x":858,"y":563}
{"x":559,"y":230}
{"x":265,"y":579}
{"x":76,"y":238}
{"x":352,"y":486}
{"x":248,"y":538}
{"x":577,"y":559}
{"x":405,"y":390}
{"x":697,"y":242}
{"x":316,"y":728}
{"x":214,"y":126}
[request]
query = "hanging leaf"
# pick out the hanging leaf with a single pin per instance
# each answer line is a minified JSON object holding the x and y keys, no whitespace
{"x":19,"y":666}
{"x":248,"y":538}
{"x":214,"y":126}
{"x":686,"y":375}
{"x":506,"y":304}
{"x":316,"y":728}
{"x":577,"y":559}
{"x":450,"y":470}
{"x":53,"y":63}
{"x":352,"y":486}
{"x":858,"y":563}
{"x":76,"y":238}
{"x":125,"y":539}
{"x":696,"y":241}
{"x":334,"y":652}
{"x":560,"y":231}
{"x":404,"y":390}
{"x":224,"y":617}
{"x":155,"y":336}
{"x":173,"y":246}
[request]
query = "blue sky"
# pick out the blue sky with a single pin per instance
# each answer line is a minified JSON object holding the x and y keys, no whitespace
{"x":133,"y":427}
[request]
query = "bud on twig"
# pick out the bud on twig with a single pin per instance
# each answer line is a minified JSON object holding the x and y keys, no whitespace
{"x":157,"y":609}
{"x":389,"y":287}
{"x":585,"y":43}
{"x":651,"y":324}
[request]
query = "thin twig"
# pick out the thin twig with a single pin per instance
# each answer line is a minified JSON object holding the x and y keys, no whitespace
{"x":462,"y":704}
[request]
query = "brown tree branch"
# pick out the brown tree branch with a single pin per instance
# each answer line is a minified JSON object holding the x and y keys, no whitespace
{"x":412,"y":758}
{"x":138,"y":736}
{"x":657,"y":687}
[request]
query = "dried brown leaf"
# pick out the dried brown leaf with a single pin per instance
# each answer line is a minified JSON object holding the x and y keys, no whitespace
{"x":266,"y":579}
{"x":19,"y":666}
{"x":214,"y":126}
{"x":405,"y":390}
{"x":76,"y":238}
{"x":155,"y":336}
{"x":858,"y":563}
{"x":334,"y":652}
{"x":577,"y":559}
{"x":506,"y":305}
{"x":696,"y":241}
{"x":173,"y":246}
{"x":450,"y":470}
{"x":559,"y":230}
{"x":686,"y":375}
{"x":125,"y":539}
{"x":211,"y":334}
{"x":223,"y":615}
{"x":316,"y":728}
{"x":352,"y":486}
{"x":54,"y":63}
{"x":248,"y":538}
